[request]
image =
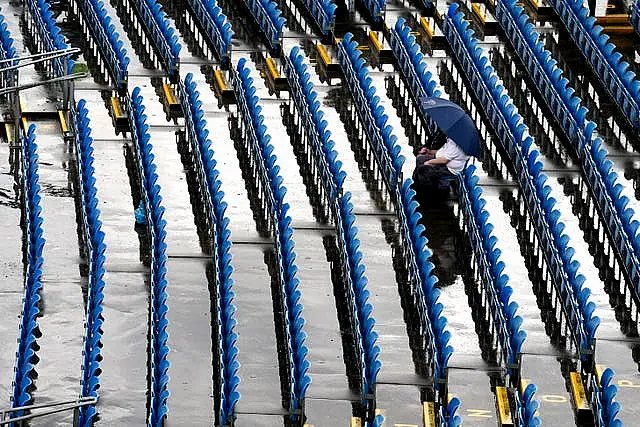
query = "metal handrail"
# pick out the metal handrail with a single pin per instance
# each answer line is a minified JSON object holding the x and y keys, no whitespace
{"x":49,"y":55}
{"x":25,"y":86}
{"x":65,"y":406}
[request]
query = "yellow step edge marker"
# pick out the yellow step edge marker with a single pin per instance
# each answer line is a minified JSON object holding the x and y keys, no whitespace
{"x":424,"y":23}
{"x":429,"y":414}
{"x":8,"y":128}
{"x":222,"y":85}
{"x":119,"y":117}
{"x":115,"y":107}
{"x":271,"y":67}
{"x":170,"y":102}
{"x":63,"y":121}
{"x":324,"y":56}
{"x":25,"y":125}
{"x":224,"y":93}
{"x":578,"y":394}
{"x":599,"y":371}
{"x":274,"y":79}
{"x":168,"y":94}
{"x":373,"y":37}
{"x":503,"y":407}
{"x":479,"y":12}
{"x":355,"y":422}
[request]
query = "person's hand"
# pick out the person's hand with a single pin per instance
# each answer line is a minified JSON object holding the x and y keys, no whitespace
{"x":423,"y":150}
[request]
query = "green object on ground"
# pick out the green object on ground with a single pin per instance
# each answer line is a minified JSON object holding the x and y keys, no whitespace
{"x":79,"y":67}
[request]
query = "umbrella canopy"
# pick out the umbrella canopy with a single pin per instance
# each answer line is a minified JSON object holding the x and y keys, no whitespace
{"x":454,"y":122}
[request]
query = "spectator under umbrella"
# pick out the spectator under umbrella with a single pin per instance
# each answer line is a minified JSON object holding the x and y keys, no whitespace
{"x":461,"y":143}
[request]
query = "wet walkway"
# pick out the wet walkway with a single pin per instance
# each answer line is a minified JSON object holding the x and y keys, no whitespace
{"x":123,"y":393}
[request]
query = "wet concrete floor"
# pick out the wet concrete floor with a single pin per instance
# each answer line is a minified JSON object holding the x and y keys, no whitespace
{"x":123,"y":391}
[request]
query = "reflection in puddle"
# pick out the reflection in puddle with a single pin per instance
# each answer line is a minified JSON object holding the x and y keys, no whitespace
{"x":443,"y":232}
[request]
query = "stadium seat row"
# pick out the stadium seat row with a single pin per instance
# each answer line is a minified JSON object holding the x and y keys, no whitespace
{"x":421,"y":84}
{"x":94,"y":238}
{"x":215,"y":28}
{"x":603,"y":401}
{"x":26,"y":357}
{"x":387,"y":153}
{"x":635,"y":15}
{"x":107,"y":39}
{"x":314,"y":125}
{"x":363,"y":320}
{"x":262,"y":152}
{"x":323,"y":12}
{"x":376,"y":8}
{"x":533,"y":182}
{"x":47,"y":34}
{"x":543,"y":69}
{"x":502,"y":308}
{"x":6,"y":42}
{"x":268,"y":16}
{"x":527,"y":413}
{"x":605,"y":60}
{"x":332,"y":178}
{"x":162,"y":35}
{"x":483,"y":241}
{"x":309,"y":107}
{"x":411,"y":63}
{"x":154,"y":211}
{"x":7,"y":51}
{"x":570,"y":113}
{"x":198,"y":136}
{"x":386,"y":148}
{"x":423,"y":280}
{"x":615,"y":208}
